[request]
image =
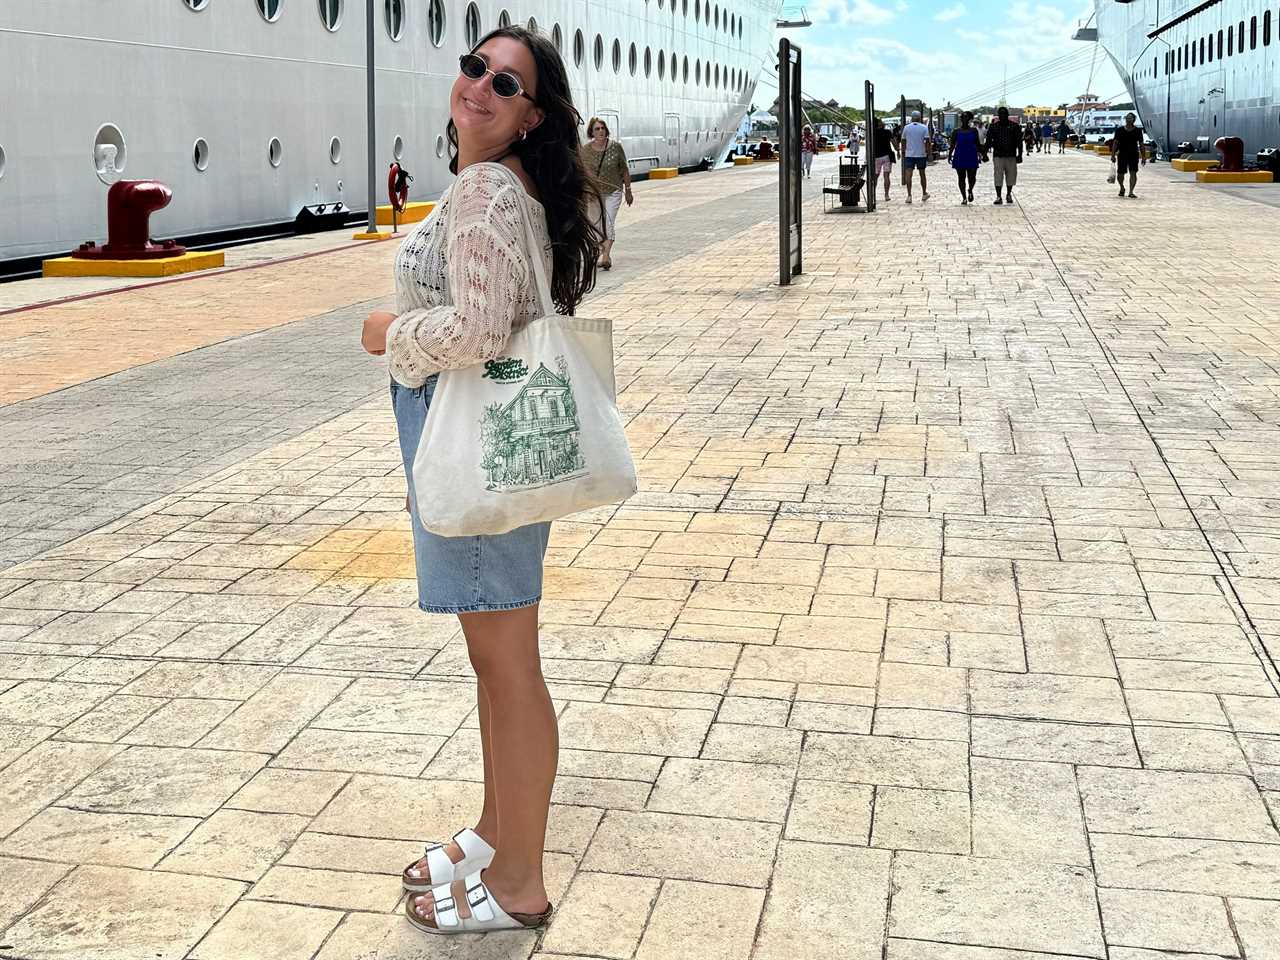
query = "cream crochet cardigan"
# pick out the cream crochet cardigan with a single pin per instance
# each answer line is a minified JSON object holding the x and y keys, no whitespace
{"x":464,"y":277}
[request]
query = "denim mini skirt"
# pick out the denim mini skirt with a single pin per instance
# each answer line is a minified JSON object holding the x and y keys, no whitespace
{"x":465,"y":574}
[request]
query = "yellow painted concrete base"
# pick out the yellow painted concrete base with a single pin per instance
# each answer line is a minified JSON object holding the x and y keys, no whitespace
{"x":1243,"y":176}
{"x":663,"y":173}
{"x":773,"y":159}
{"x":1192,"y":166}
{"x":162,"y":267}
{"x":373,"y":236}
{"x":743,"y":161}
{"x":413,"y":212}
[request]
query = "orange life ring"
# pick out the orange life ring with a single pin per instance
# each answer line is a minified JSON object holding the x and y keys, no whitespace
{"x":399,"y":198}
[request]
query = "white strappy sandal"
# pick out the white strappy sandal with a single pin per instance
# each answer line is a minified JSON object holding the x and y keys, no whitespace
{"x":441,"y":870}
{"x":486,"y":913}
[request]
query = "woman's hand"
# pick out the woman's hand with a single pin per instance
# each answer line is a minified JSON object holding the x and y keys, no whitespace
{"x":627,"y":194}
{"x":374,"y":335}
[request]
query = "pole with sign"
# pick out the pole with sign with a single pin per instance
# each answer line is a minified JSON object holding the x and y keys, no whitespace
{"x":869,"y":147}
{"x":789,"y":115}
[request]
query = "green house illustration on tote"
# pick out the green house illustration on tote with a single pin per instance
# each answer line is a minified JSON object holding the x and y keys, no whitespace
{"x":532,"y":440}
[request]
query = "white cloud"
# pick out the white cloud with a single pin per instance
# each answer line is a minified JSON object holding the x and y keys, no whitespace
{"x":953,"y":12}
{"x":850,"y":12}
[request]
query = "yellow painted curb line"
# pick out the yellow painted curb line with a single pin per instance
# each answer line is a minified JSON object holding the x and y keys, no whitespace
{"x":1242,"y":176}
{"x":743,"y":161}
{"x":372,"y":236}
{"x":160,"y":267}
{"x":663,"y":173}
{"x":413,"y":212}
{"x":1192,"y":166}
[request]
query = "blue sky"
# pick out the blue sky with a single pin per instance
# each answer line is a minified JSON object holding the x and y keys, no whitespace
{"x":943,"y":49}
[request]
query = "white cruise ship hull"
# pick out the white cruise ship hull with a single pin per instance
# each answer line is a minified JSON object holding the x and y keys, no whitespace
{"x":167,"y":77}
{"x":1198,"y":95}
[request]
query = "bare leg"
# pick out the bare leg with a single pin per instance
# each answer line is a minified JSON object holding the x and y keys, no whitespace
{"x":886,"y":184}
{"x":606,"y":249}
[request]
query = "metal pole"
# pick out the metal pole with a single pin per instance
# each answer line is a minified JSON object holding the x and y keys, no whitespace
{"x":868,"y":122}
{"x":372,"y":132}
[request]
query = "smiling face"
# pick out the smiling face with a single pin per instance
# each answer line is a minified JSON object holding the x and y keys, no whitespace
{"x":486,"y":121}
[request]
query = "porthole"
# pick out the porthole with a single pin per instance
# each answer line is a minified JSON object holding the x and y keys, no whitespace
{"x":270,"y":9}
{"x":717,"y":77}
{"x":331,"y":14}
{"x":557,"y":38}
{"x":2,"y":163}
{"x":648,"y":61}
{"x":598,"y":51}
{"x":435,"y":22}
{"x":579,"y":48}
{"x":200,"y":154}
{"x":684,"y":5}
{"x":393,"y":11}
{"x":275,"y":152}
{"x":504,"y":20}
{"x":697,"y":73}
{"x":617,"y":57}
{"x":697,"y":10}
{"x":397,"y":148}
{"x":632,"y":59}
{"x":109,"y":153}
{"x":659,"y":4}
{"x":685,"y":70}
{"x":440,"y":146}
{"x":662,"y":64}
{"x":473,"y":26}
{"x":533,"y":25}
{"x":196,"y":5}
{"x":335,"y":150}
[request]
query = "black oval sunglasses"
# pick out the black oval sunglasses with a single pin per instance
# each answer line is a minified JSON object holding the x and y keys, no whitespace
{"x":505,"y":84}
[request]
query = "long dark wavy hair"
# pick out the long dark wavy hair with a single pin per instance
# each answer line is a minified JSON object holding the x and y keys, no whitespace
{"x":550,"y":156}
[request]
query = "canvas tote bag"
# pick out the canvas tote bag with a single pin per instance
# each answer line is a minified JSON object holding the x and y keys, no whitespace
{"x":532,"y":435}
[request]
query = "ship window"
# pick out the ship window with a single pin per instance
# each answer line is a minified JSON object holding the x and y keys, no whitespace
{"x":200,"y":154}
{"x":717,"y":83}
{"x":439,"y":146}
{"x":597,"y":51}
{"x":1202,"y":49}
{"x":579,"y":48}
{"x":1266,"y":29}
{"x":632,"y":59}
{"x":697,"y":10}
{"x":1211,"y":48}
{"x":504,"y":20}
{"x":617,"y":56}
{"x":684,"y":5}
{"x":397,"y":148}
{"x":533,"y":25}
{"x":1154,"y":62}
{"x":557,"y":38}
{"x":1,"y":163}
{"x":1240,"y":36}
{"x":685,"y":71}
{"x":435,"y":22}
{"x":648,"y":61}
{"x":196,"y":4}
{"x":472,"y":26}
{"x":275,"y":152}
{"x":1253,"y":33}
{"x":697,"y":73}
{"x":270,"y":9}
{"x":662,"y":64}
{"x":1231,"y":42}
{"x":394,"y":11}
{"x":1219,"y":44}
{"x":335,"y":150}
{"x":331,"y":14}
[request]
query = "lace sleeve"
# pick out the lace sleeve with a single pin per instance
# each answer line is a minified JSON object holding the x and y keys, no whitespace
{"x":489,"y":276}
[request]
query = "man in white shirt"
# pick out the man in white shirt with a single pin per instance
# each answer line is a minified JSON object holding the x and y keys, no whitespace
{"x":915,"y":154}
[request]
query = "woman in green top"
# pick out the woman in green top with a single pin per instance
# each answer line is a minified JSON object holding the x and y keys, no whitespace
{"x":607,"y":162}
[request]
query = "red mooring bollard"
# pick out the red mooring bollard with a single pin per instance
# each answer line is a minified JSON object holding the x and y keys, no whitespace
{"x":1232,"y":150}
{"x":130,"y":204}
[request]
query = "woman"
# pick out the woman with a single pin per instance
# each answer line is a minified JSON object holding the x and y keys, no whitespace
{"x":464,"y":280}
{"x":963,"y":156}
{"x":808,"y":147}
{"x":881,"y":147}
{"x":607,"y":162}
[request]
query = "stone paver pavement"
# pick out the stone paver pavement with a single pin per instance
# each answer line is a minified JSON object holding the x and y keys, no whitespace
{"x":941,"y":628}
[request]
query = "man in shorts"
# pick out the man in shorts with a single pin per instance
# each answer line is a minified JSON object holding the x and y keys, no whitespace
{"x":1126,"y":152}
{"x":915,"y":154}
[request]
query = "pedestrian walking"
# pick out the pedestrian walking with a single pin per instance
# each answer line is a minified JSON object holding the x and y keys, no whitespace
{"x":465,"y":279}
{"x":606,"y":160}
{"x":1126,"y":152}
{"x":1063,"y":132}
{"x":1028,"y":138}
{"x":855,"y":143}
{"x":963,"y":154}
{"x":915,"y":154}
{"x":1004,"y":146}
{"x":808,"y":147}
{"x":881,"y":148}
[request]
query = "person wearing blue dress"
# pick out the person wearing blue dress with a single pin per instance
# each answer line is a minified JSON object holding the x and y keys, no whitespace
{"x":963,"y":156}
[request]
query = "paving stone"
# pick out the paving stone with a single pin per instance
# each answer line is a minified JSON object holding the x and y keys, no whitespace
{"x":909,"y":819}
{"x":1027,"y":810}
{"x":167,"y":914}
{"x":726,"y":931}
{"x":25,"y":883}
{"x":713,"y":788}
{"x":282,"y":931}
{"x":43,"y":774}
{"x":1257,"y":923}
{"x":823,"y":811}
{"x":166,"y":781}
{"x":891,"y":761}
{"x":1047,"y":697}
{"x":1016,"y":904}
{"x":1218,"y":867}
{"x":634,"y":729}
{"x":1174,"y":804}
{"x":602,"y":914}
{"x":288,"y":791}
{"x":1157,"y":920}
{"x":113,"y":839}
{"x":845,"y":910}
{"x":236,"y":844}
{"x":710,"y":849}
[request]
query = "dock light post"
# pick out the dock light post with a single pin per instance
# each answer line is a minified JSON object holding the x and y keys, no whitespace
{"x":372,"y":132}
